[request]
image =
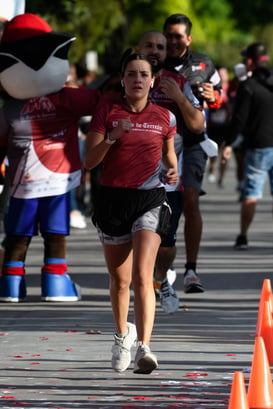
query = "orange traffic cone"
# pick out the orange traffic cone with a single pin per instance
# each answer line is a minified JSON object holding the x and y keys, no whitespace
{"x":266,"y":295}
{"x":238,"y":398}
{"x":265,"y":330}
{"x":260,"y":388}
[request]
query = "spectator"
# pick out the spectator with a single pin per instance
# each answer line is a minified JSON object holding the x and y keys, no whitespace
{"x":253,"y":118}
{"x":130,"y":213}
{"x":217,"y":125}
{"x":206,"y":84}
{"x":238,"y":146}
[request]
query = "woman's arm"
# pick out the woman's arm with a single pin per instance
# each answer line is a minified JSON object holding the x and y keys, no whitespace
{"x":96,"y":146}
{"x":169,"y":160}
{"x":95,"y":149}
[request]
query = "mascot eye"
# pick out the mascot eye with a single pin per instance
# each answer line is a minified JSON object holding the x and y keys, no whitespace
{"x":62,"y":52}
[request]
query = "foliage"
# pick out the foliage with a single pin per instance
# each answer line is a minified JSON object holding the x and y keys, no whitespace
{"x":62,"y":9}
{"x":220,"y":28}
{"x":92,"y":22}
{"x":258,"y":12}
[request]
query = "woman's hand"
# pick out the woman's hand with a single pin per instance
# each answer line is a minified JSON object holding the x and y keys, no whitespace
{"x":124,"y":126}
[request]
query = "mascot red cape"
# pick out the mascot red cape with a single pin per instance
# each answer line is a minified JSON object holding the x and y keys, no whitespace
{"x":39,"y":128}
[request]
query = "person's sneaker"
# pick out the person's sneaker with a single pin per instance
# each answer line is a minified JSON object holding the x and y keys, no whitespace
{"x":241,"y":243}
{"x":145,"y":360}
{"x":171,"y":275}
{"x":192,"y":283}
{"x":121,"y":350}
{"x":168,"y":298}
{"x":77,"y":220}
{"x":211,"y":178}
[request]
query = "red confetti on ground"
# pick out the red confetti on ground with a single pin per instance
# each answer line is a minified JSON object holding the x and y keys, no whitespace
{"x":7,"y":397}
{"x":35,"y":363}
{"x":141,"y":398}
{"x":69,"y":349}
{"x":44,"y":338}
{"x":71,"y":330}
{"x":36,"y":355}
{"x":231,"y":354}
{"x":191,"y":374}
{"x":93,"y":331}
{"x":3,"y":334}
{"x":18,"y":356}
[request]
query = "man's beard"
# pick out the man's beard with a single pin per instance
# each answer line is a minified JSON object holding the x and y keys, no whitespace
{"x":158,"y":67}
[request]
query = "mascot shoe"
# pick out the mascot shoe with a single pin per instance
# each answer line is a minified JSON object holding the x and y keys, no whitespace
{"x":59,"y":287}
{"x":12,"y":288}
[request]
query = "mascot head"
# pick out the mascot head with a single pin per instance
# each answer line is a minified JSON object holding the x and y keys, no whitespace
{"x":33,"y":57}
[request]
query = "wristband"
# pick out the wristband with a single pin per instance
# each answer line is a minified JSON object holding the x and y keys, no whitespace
{"x":108,"y":140}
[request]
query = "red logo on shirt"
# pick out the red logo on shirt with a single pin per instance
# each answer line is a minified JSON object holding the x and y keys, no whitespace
{"x":200,"y":67}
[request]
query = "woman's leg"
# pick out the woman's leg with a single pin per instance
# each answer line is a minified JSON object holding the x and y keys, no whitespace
{"x":145,"y":248}
{"x":119,"y":263}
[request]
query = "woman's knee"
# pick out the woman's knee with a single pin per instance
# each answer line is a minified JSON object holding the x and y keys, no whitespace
{"x":119,"y":283}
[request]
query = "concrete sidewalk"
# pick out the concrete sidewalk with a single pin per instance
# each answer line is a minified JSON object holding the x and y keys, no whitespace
{"x":58,"y":355}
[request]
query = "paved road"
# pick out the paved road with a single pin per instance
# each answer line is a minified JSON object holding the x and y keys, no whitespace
{"x":57,"y":355}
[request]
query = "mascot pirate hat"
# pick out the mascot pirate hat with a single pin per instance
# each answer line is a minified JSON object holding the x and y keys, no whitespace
{"x":33,"y":57}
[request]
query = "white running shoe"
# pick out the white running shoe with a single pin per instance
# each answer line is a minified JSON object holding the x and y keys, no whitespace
{"x":192,"y":283}
{"x":168,"y":298}
{"x":145,"y":360}
{"x":212,"y":178}
{"x":121,"y":349}
{"x":77,"y":220}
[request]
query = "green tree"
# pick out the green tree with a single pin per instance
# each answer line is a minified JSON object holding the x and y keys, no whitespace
{"x":255,"y":20}
{"x":220,"y":28}
{"x":255,"y":13}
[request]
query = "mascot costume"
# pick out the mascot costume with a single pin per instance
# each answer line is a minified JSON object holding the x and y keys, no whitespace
{"x":39,"y":132}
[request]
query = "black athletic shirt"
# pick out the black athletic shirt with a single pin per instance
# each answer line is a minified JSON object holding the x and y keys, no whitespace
{"x":252,"y":115}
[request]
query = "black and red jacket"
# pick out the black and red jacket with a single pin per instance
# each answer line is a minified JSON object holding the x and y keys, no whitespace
{"x":197,"y":68}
